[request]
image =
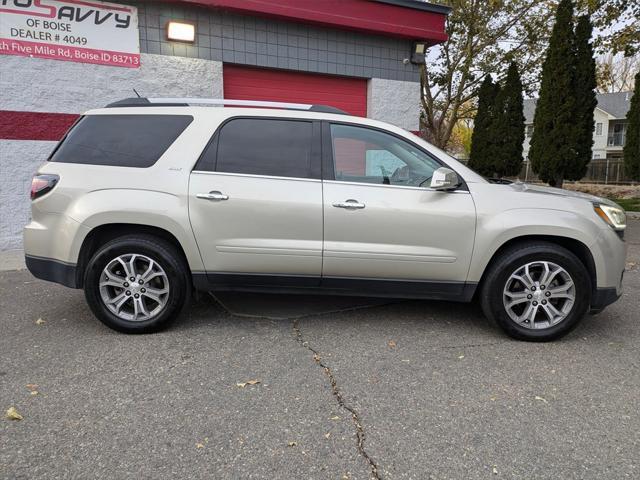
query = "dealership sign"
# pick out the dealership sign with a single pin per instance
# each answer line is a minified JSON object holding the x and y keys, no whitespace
{"x":84,"y":31}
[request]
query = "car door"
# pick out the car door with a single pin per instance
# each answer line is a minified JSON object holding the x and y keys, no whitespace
{"x":255,"y":202}
{"x":383,"y":224}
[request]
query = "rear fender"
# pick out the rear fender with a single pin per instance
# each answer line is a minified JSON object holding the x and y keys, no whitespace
{"x":139,"y":207}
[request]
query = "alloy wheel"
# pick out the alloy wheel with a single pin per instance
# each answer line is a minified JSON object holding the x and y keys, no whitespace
{"x":539,"y":295}
{"x":134,"y":287}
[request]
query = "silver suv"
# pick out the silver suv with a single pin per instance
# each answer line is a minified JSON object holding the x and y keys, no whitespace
{"x":148,"y":199}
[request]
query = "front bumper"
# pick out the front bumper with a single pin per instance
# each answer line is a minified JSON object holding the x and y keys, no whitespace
{"x":52,"y":270}
{"x":603,"y":297}
{"x":610,"y":256}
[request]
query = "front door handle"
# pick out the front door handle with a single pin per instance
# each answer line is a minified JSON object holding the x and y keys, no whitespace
{"x":214,"y":195}
{"x":350,"y":204}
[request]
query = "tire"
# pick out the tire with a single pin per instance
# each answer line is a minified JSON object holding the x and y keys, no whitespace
{"x":501,"y":290}
{"x":153,"y":309}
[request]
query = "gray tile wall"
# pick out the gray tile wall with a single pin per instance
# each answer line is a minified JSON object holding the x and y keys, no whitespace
{"x":273,"y":43}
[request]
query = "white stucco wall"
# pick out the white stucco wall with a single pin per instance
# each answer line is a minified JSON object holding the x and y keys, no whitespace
{"x":19,"y":160}
{"x":394,"y":101}
{"x":40,"y":85}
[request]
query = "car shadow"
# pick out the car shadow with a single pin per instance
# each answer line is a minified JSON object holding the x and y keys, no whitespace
{"x":244,"y":308}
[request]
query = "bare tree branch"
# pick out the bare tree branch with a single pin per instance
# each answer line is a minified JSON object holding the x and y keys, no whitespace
{"x":484,"y":37}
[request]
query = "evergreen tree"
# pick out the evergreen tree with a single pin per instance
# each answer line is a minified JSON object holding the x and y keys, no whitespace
{"x":586,"y":101}
{"x":632,"y":144}
{"x":553,"y":144}
{"x":508,"y":127}
{"x":483,"y":149}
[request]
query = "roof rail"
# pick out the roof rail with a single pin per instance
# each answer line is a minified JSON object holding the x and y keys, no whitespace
{"x":219,"y":102}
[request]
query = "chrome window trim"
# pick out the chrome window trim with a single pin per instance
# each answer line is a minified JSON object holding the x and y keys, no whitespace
{"x":253,"y":175}
{"x":405,"y":187}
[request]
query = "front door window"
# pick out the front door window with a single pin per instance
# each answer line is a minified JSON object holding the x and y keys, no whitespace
{"x":365,"y":155}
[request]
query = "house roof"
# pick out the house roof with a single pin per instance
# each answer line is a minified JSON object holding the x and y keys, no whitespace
{"x":615,"y":104}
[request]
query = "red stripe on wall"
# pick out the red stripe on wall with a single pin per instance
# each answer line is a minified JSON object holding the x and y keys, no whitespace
{"x":34,"y":125}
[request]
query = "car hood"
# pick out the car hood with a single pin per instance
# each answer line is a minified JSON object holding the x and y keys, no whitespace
{"x":525,"y":187}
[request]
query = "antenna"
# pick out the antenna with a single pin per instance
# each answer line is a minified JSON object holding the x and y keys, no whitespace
{"x":136,"y":92}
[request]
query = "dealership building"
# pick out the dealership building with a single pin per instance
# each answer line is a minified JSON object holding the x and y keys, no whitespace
{"x":61,"y":58}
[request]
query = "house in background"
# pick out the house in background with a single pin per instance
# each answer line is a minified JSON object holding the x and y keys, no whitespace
{"x":610,"y":125}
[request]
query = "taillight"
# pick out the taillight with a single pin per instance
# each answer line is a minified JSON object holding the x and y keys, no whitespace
{"x":41,"y":184}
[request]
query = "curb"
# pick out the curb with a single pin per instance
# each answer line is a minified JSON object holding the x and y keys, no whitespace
{"x":12,"y":260}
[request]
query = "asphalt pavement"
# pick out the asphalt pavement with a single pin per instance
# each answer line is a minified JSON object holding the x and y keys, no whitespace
{"x":346,"y":389}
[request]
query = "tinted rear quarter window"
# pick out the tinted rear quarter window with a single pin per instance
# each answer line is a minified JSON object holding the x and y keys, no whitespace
{"x":268,"y":147}
{"x":120,"y":140}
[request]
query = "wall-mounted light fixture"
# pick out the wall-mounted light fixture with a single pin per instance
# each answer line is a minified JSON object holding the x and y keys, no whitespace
{"x":181,"y":32}
{"x":418,"y":53}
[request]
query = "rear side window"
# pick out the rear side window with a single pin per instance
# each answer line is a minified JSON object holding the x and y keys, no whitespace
{"x":268,"y":147}
{"x":120,"y":140}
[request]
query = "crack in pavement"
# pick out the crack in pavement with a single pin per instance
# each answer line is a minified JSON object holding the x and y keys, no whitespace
{"x":337,"y":393}
{"x":468,"y":345}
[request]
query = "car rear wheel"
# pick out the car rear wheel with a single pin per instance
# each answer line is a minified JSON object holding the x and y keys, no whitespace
{"x":537,"y":292}
{"x":137,"y":284}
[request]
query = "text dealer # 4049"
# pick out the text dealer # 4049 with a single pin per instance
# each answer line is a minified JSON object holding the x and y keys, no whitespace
{"x":94,"y":32}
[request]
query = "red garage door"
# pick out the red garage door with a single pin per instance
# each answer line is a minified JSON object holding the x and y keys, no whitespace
{"x":245,"y":83}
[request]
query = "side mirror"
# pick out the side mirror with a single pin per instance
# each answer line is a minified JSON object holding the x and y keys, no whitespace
{"x":444,"y":179}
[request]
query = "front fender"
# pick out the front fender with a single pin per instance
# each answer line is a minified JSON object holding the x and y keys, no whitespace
{"x":496,"y":230}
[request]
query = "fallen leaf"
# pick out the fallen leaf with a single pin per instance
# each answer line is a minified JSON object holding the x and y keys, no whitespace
{"x":249,"y":382}
{"x":199,"y":445}
{"x":316,"y":358}
{"x":32,"y":386}
{"x":34,"y":392}
{"x":12,"y":414}
{"x":327,"y":435}
{"x":335,"y":417}
{"x":40,"y":321}
{"x":391,"y":343}
{"x":292,"y":444}
{"x":541,"y":399}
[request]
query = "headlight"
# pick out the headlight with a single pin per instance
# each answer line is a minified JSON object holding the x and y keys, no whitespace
{"x":614,"y":216}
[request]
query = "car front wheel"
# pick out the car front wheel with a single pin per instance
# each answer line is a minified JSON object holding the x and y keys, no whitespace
{"x":136,"y":284}
{"x":537,"y":292}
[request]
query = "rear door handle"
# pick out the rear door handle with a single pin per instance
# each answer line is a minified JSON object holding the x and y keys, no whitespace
{"x":350,"y":204}
{"x":214,"y":195}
